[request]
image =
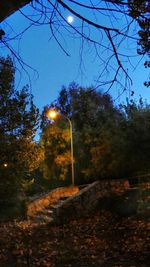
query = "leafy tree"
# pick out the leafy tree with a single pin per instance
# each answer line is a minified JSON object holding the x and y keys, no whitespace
{"x":126,"y":151}
{"x":91,"y":113}
{"x":139,"y":10}
{"x":109,"y":142}
{"x":55,"y":140}
{"x":18,"y":123}
{"x":137,"y":139}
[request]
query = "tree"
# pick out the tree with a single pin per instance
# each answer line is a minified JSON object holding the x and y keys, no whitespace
{"x":91,"y":113}
{"x":55,"y":139}
{"x":137,"y":139}
{"x":109,"y":142}
{"x":18,"y":123}
{"x":140,"y":11}
{"x":103,"y":26}
{"x":126,"y":149}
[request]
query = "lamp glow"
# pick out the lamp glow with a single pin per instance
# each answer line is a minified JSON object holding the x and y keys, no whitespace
{"x":52,"y":114}
{"x":5,"y":165}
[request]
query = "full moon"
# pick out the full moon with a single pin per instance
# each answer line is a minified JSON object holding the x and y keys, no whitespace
{"x":70,"y":19}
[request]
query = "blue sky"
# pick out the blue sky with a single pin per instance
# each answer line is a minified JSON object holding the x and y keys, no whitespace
{"x":56,"y":69}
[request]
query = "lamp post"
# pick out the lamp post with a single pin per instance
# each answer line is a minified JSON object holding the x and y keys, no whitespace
{"x":52,"y":114}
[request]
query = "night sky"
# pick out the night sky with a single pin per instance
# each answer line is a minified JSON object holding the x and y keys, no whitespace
{"x":54,"y":68}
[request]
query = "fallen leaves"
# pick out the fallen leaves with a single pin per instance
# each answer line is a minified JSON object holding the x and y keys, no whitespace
{"x":101,"y":239}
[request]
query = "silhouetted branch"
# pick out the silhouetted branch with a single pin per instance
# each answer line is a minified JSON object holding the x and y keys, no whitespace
{"x":105,"y":36}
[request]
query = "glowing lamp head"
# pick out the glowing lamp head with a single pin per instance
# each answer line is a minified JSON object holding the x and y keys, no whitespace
{"x":52,"y":114}
{"x":5,"y":165}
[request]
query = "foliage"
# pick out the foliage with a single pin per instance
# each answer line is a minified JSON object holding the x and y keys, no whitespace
{"x":139,"y":10}
{"x":109,"y":142}
{"x":137,"y":139}
{"x":125,"y":151}
{"x":91,"y":112}
{"x":18,"y":123}
{"x":55,"y":140}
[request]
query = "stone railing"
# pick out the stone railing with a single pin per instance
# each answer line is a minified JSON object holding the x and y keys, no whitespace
{"x":78,"y":202}
{"x":38,"y":204}
{"x":86,"y":199}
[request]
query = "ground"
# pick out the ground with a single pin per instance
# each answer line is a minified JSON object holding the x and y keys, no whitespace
{"x":102,"y":239}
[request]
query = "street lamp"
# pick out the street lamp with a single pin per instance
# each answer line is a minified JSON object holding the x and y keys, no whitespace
{"x":52,"y":114}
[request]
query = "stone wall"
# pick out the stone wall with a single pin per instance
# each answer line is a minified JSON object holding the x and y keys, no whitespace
{"x":38,"y":204}
{"x":86,"y":199}
{"x":78,"y":201}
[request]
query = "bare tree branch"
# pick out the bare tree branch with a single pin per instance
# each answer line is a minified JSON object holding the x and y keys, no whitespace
{"x":105,"y":29}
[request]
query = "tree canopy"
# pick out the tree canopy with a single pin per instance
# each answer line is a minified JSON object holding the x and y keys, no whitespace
{"x":19,"y":119}
{"x":90,"y":112}
{"x":109,"y":141}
